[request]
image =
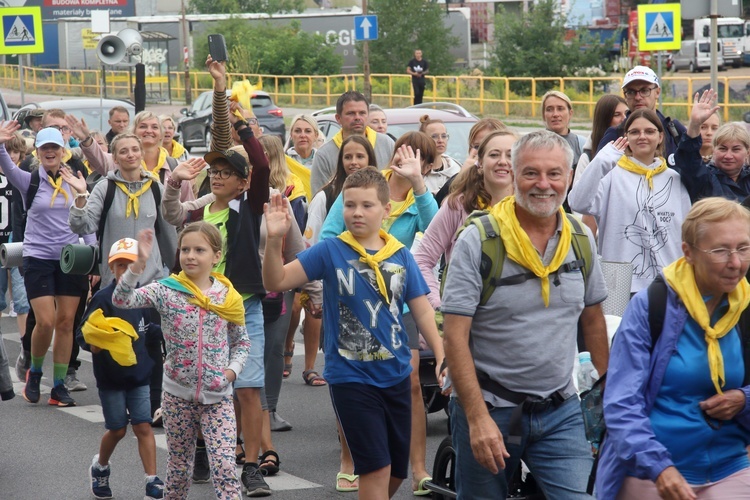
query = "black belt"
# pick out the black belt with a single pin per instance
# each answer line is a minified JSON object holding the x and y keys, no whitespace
{"x":525,"y":403}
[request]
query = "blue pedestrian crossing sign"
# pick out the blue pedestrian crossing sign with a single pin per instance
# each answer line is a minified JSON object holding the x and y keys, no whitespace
{"x":659,"y":26}
{"x":21,"y":30}
{"x":365,"y":28}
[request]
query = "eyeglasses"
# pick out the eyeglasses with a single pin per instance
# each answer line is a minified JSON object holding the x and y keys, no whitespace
{"x":64,"y":128}
{"x":221,"y":174}
{"x":645,"y":92}
{"x":649,"y":132}
{"x":444,"y":137}
{"x":722,"y":255}
{"x":252,"y":121}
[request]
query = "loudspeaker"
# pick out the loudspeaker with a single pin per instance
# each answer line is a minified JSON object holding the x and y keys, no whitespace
{"x":112,"y":49}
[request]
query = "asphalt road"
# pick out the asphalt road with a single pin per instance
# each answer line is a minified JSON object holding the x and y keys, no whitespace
{"x":46,"y":451}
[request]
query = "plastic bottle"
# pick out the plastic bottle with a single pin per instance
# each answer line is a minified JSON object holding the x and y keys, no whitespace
{"x":587,"y":374}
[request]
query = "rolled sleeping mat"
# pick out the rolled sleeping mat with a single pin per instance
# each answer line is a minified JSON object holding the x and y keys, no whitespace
{"x":79,"y":259}
{"x":11,"y":255}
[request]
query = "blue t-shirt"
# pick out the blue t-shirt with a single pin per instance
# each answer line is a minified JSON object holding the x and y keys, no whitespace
{"x":365,"y":340}
{"x":701,"y":453}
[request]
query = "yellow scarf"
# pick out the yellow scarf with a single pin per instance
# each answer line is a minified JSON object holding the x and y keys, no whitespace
{"x":631,"y":166}
{"x":371,"y":135}
{"x":298,"y":187}
{"x":160,"y":163}
{"x":88,"y":167}
{"x":133,"y":203}
{"x":57,"y":184}
{"x":392,"y":245}
{"x":112,"y":334}
{"x":519,"y":248}
{"x":303,"y":174}
{"x":680,"y":276}
{"x":409,"y":201}
{"x":177,"y":149}
{"x":231,"y":310}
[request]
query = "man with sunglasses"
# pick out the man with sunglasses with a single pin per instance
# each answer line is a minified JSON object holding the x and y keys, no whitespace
{"x":641,"y":90}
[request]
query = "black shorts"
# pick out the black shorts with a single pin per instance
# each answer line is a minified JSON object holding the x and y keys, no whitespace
{"x":376,"y":424}
{"x":44,"y":278}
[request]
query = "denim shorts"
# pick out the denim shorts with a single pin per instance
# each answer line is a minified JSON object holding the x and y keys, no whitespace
{"x":253,"y":374}
{"x":20,"y":302}
{"x":44,"y":278}
{"x":119,"y":407}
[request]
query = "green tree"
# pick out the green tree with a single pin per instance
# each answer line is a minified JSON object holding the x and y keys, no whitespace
{"x":272,"y":49}
{"x":245,"y":6}
{"x":407,"y":25}
{"x":538,"y":44}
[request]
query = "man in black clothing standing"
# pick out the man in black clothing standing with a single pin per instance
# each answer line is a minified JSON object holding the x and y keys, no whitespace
{"x":417,"y":68}
{"x":119,"y":119}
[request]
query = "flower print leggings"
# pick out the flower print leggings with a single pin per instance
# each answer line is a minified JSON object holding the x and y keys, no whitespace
{"x":182,"y":419}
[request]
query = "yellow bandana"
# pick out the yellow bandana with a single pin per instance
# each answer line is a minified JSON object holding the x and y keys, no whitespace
{"x":371,"y":135}
{"x":298,"y":187}
{"x":680,"y":276}
{"x":112,"y":334}
{"x":409,"y":201}
{"x":133,"y":203}
{"x":177,"y":149}
{"x":303,"y":174}
{"x":392,"y":245}
{"x":231,"y":310}
{"x":519,"y":248}
{"x":57,"y":183}
{"x":631,"y":166}
{"x":88,"y":167}
{"x":160,"y":163}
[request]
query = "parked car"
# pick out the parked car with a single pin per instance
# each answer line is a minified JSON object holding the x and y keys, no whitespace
{"x":694,"y":56}
{"x":457,"y":120}
{"x":94,"y":111}
{"x":195,"y":127}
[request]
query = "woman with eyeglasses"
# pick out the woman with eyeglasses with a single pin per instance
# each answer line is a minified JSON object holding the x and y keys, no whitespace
{"x":676,"y":403}
{"x":638,"y":203}
{"x":444,"y":167}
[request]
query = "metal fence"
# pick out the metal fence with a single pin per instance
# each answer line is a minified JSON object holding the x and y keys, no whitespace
{"x":484,"y":95}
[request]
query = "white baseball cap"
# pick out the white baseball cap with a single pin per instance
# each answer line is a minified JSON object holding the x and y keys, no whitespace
{"x":125,"y":248}
{"x":640,"y":73}
{"x":49,"y":135}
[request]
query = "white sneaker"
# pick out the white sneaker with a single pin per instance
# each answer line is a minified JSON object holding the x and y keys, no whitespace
{"x":12,"y":311}
{"x":73,"y":384}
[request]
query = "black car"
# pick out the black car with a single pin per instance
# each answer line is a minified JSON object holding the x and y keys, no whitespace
{"x":195,"y":127}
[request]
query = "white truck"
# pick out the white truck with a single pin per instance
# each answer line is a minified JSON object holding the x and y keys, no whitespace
{"x":732,"y":34}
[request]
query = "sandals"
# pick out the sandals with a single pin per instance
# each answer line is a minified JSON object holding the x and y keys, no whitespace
{"x":268,"y":463}
{"x":239,"y":458}
{"x":288,"y":366}
{"x":313,"y":378}
{"x":349,"y":478}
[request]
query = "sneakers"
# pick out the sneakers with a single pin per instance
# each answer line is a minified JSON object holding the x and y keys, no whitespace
{"x":59,"y":396}
{"x":72,"y":383}
{"x":278,"y":424}
{"x":154,"y":489}
{"x":12,"y":310}
{"x":31,"y":391}
{"x":23,"y":363}
{"x":201,"y":472}
{"x":253,"y":482}
{"x":100,"y":479}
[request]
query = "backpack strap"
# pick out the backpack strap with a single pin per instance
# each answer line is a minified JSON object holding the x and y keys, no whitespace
{"x":657,"y":307}
{"x":33,"y":188}
{"x":581,"y":248}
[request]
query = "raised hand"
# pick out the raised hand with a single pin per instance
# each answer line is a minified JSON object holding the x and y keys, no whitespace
{"x":217,"y":69}
{"x":189,"y":169}
{"x":8,"y":130}
{"x":278,"y":217}
{"x":235,"y":112}
{"x":77,"y":182}
{"x":620,"y":144}
{"x":145,"y":245}
{"x":409,"y":165}
{"x":80,"y":129}
{"x":704,"y":105}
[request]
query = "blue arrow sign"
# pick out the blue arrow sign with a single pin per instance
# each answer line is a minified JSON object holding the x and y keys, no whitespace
{"x":365,"y":28}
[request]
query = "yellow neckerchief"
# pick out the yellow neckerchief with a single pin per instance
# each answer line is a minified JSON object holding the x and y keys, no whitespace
{"x":133,"y":203}
{"x":67,"y":155}
{"x":371,"y":135}
{"x":483,"y":204}
{"x":392,"y":245}
{"x":160,"y":163}
{"x":519,"y":248}
{"x":631,"y":166}
{"x":409,"y":201}
{"x":302,"y":172}
{"x":231,"y":310}
{"x":88,"y":167}
{"x":298,"y":189}
{"x":112,"y":334}
{"x":57,"y":184}
{"x":177,"y":149}
{"x":680,"y":276}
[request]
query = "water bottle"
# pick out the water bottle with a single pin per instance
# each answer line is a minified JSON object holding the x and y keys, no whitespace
{"x":587,"y":374}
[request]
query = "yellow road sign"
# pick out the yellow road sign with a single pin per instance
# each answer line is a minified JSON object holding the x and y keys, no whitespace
{"x":21,"y":30}
{"x":659,"y":26}
{"x":90,"y":39}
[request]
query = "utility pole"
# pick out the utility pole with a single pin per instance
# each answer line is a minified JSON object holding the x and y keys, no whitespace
{"x":366,"y":60}
{"x":186,"y":57}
